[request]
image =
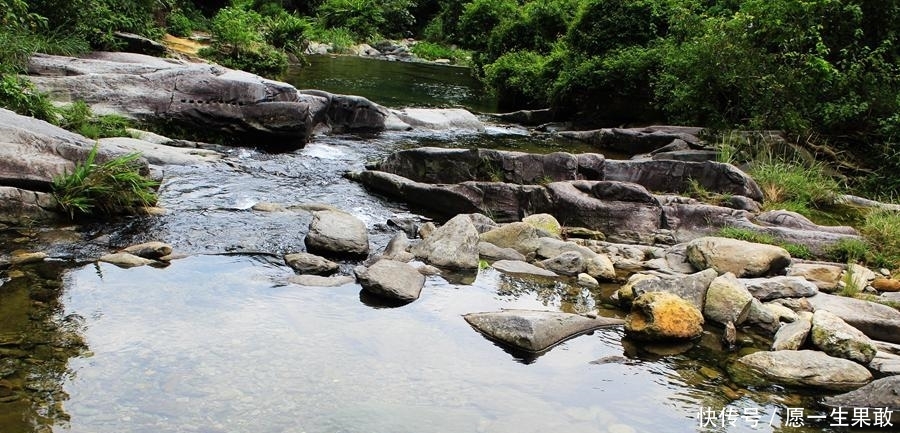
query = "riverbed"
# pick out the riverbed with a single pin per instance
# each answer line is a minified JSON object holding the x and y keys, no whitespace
{"x":221,"y":341}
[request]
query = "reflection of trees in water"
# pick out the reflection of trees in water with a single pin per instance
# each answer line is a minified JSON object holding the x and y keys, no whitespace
{"x":36,"y":342}
{"x":549,"y":291}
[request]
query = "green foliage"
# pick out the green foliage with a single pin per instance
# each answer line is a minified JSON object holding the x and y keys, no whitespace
{"x":95,"y":21}
{"x":340,"y":38}
{"x":238,"y":43}
{"x":848,"y":250}
{"x":519,"y":79}
{"x":287,"y":32}
{"x":605,"y":25}
{"x":480,"y":17}
{"x":432,"y":51}
{"x":795,"y":250}
{"x":110,"y":188}
{"x":178,"y":24}
{"x":19,"y":95}
{"x":794,"y":186}
{"x":363,"y":18}
{"x":881,"y":230}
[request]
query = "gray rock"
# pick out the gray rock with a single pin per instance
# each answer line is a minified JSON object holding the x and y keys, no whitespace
{"x":588,"y":281}
{"x":727,"y":300}
{"x":766,"y":289}
{"x":444,"y":119}
{"x":744,"y":259}
{"x":676,"y":176}
{"x":320,"y":281}
{"x":544,"y":222}
{"x":824,"y":275}
{"x":836,"y":338}
{"x":535,"y":331}
{"x":397,"y":248}
{"x":635,"y":140}
{"x":492,"y":252}
{"x":126,"y":260}
{"x":662,"y":316}
{"x":453,"y":245}
{"x":336,"y":232}
{"x":521,"y":268}
{"x":596,"y":265}
{"x":150,"y":250}
{"x":763,"y":316}
{"x":884,"y":363}
{"x":19,"y":206}
{"x":520,"y":236}
{"x":391,"y":279}
{"x":568,"y":263}
{"x":801,"y":368}
{"x":691,"y":288}
{"x":880,"y":393}
{"x":307,"y":263}
{"x":676,"y":258}
{"x":160,"y":154}
{"x":791,"y":336}
{"x":877,"y":321}
{"x":625,"y":212}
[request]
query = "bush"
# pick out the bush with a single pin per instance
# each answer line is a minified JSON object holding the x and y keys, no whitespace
{"x":340,"y":38}
{"x":792,"y":186}
{"x":19,"y":95}
{"x":238,"y":43}
{"x":432,"y":51}
{"x":111,"y":188}
{"x":519,"y":79}
{"x":881,"y":229}
{"x":287,"y":32}
{"x":95,"y":21}
{"x":605,"y":25}
{"x":480,"y":17}
{"x":363,"y":18}
{"x":178,"y":24}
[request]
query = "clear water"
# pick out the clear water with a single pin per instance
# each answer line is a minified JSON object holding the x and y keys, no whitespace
{"x":219,"y":341}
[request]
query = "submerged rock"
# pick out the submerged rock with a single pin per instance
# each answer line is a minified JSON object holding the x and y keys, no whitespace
{"x":126,"y":260}
{"x":391,"y":279}
{"x":150,"y":250}
{"x":801,"y":368}
{"x":320,"y":281}
{"x":742,"y":258}
{"x":662,"y":316}
{"x":535,"y":331}
{"x":336,"y":232}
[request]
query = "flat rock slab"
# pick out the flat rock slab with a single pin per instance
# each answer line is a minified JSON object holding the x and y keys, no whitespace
{"x":517,"y":267}
{"x":877,"y":321}
{"x":535,"y":331}
{"x":766,"y":289}
{"x":881,"y":393}
{"x":801,"y":368}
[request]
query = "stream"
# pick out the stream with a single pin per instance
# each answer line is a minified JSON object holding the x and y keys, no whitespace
{"x":220,"y":342}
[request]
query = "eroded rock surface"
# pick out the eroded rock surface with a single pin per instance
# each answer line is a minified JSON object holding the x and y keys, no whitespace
{"x":535,"y":331}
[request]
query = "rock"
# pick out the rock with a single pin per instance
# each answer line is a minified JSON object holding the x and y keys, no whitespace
{"x":452,"y":119}
{"x":544,"y":222}
{"x":764,"y":316}
{"x":858,"y":276}
{"x":391,"y":279}
{"x":626,"y":294}
{"x":19,"y":206}
{"x":397,"y":248}
{"x":126,"y":260}
{"x":268,"y":207}
{"x":744,"y":259}
{"x":836,"y":338}
{"x":489,"y":251}
{"x":568,"y":263}
{"x":26,"y":257}
{"x":159,"y":154}
{"x":453,"y":245}
{"x":588,"y":281}
{"x":635,"y":140}
{"x":729,"y":337}
{"x":662,"y":316}
{"x":551,"y":247}
{"x":150,"y":250}
{"x":676,"y":176}
{"x":788,"y":219}
{"x":766,"y":289}
{"x":886,"y":285}
{"x":885,"y":363}
{"x":307,"y":263}
{"x":138,"y":44}
{"x":877,"y":321}
{"x":883,"y":394}
{"x":801,"y":368}
{"x":427,"y":229}
{"x":691,"y":288}
{"x":521,"y":268}
{"x":336,"y":232}
{"x":791,"y":336}
{"x":482,"y":222}
{"x":781,"y":312}
{"x":691,"y":155}
{"x":601,"y":267}
{"x":428,"y":270}
{"x":320,"y":281}
{"x":676,"y":258}
{"x":584,"y":233}
{"x":535,"y":331}
{"x":520,"y":236}
{"x":727,"y":300}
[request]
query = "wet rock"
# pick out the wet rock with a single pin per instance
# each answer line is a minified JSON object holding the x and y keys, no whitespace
{"x":801,"y":368}
{"x":535,"y":331}
{"x":520,"y":236}
{"x":126,"y":260}
{"x":160,"y":154}
{"x":743,"y":259}
{"x":824,"y":275}
{"x":544,"y":222}
{"x":568,"y":263}
{"x":727,"y":300}
{"x":336,"y":232}
{"x":791,"y":336}
{"x":516,"y":267}
{"x":453,"y":245}
{"x":397,"y":248}
{"x":877,"y":321}
{"x":150,"y":250}
{"x":26,"y":257}
{"x":626,"y":294}
{"x":306,"y":263}
{"x":836,"y":338}
{"x":268,"y":207}
{"x":391,"y":279}
{"x":18,"y":206}
{"x":489,"y":251}
{"x":588,"y":281}
{"x":766,"y":289}
{"x":880,"y":393}
{"x":662,"y":316}
{"x":320,"y":281}
{"x":691,"y":288}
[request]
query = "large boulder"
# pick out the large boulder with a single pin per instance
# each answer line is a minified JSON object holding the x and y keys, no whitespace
{"x":520,"y":236}
{"x":18,"y":206}
{"x":662,"y":316}
{"x":800,"y":368}
{"x":692,"y":288}
{"x":742,"y":258}
{"x":447,"y":119}
{"x":337,"y":233}
{"x":727,"y":300}
{"x":877,"y":321}
{"x":881,"y":394}
{"x":836,"y":338}
{"x":535,"y":331}
{"x":453,"y":245}
{"x":676,"y":176}
{"x":635,"y":141}
{"x":392,"y":280}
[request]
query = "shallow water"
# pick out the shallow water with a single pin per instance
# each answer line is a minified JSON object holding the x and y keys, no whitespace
{"x":220,"y":342}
